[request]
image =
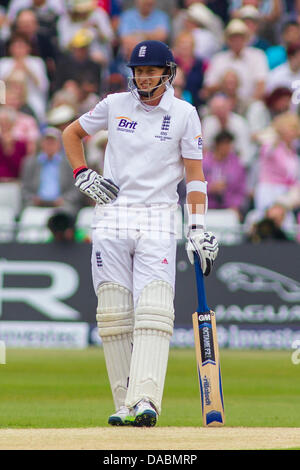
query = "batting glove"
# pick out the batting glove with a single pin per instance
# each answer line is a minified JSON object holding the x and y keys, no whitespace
{"x":206,"y":247}
{"x":101,"y":190}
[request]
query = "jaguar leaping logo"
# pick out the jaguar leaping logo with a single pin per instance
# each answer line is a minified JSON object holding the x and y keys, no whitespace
{"x":253,"y":278}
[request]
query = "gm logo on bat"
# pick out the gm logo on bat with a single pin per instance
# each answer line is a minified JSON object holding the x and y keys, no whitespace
{"x":204,"y":317}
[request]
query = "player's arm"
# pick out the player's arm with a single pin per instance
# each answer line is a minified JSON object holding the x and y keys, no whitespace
{"x":89,"y":182}
{"x":196,"y":192}
{"x":72,"y":139}
{"x":203,"y":243}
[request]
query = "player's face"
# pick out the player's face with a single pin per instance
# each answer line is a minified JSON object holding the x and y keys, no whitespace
{"x":147,"y":77}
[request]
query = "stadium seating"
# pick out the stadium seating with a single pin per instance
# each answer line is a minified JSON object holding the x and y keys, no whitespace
{"x":33,"y":225}
{"x":225,"y":224}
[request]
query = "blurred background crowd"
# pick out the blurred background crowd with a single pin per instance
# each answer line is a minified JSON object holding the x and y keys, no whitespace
{"x":238,"y":64}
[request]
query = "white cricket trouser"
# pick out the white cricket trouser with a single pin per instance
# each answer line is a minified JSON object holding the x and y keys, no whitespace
{"x":133,"y":260}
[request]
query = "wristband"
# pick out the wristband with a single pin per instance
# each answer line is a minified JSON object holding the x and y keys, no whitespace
{"x":78,"y":170}
{"x":197,"y":185}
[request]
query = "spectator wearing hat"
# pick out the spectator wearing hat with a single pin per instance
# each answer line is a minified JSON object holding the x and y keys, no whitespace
{"x":77,"y":64}
{"x":86,"y":15}
{"x":202,"y":14}
{"x":61,"y":116}
{"x":249,"y":62}
{"x":251,"y":17}
{"x":225,"y":175}
{"x":286,"y":74}
{"x":270,"y":10}
{"x":46,"y":178}
{"x":198,"y":20}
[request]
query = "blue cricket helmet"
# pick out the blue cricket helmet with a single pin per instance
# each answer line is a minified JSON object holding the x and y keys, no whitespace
{"x":154,"y":53}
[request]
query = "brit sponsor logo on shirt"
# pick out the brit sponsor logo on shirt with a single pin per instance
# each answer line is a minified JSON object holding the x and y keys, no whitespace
{"x":126,"y":124}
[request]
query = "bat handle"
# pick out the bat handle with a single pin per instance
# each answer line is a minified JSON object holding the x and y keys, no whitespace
{"x":202,"y":303}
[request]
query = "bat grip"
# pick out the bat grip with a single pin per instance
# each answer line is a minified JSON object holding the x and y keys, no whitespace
{"x":202,"y":303}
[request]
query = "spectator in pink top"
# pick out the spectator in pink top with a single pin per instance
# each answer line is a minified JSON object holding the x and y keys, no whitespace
{"x":225,"y":175}
{"x":12,"y":151}
{"x":279,"y":163}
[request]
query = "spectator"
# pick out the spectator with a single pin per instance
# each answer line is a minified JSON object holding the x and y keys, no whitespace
{"x":46,"y":177}
{"x":25,"y":127}
{"x":192,"y":67}
{"x":285,"y":74}
{"x":95,"y":150}
{"x":145,"y":21}
{"x":260,"y":114}
{"x":230,"y":84}
{"x":61,"y":116}
{"x":179,"y":85}
{"x":63,"y":229}
{"x":82,"y":95}
{"x":198,"y":21}
{"x":279,"y":164}
{"x":47,"y":13}
{"x":270,"y":10}
{"x":12,"y":151}
{"x":76,"y":64}
{"x":26,"y":24}
{"x":251,"y":17}
{"x":250,"y":64}
{"x":198,"y":10}
{"x":18,"y":84}
{"x":268,"y":228}
{"x":290,"y":35}
{"x":119,"y":63}
{"x":32,"y":69}
{"x":225,"y":175}
{"x":220,"y":117}
{"x":82,"y":14}
{"x":291,"y":199}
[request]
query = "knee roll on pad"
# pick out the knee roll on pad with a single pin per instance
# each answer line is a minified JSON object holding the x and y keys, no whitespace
{"x":155,"y":309}
{"x":114,"y":310}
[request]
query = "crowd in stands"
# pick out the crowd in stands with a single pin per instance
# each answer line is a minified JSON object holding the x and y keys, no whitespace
{"x":238,"y":63}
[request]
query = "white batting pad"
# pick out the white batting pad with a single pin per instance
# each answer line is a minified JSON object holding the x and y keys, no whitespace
{"x":115,"y":325}
{"x":154,"y":319}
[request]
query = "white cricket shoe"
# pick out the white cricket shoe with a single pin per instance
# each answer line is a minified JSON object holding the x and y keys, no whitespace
{"x":123,"y":417}
{"x":145,"y":414}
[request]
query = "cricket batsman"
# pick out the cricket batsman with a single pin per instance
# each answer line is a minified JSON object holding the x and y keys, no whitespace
{"x":154,"y":140}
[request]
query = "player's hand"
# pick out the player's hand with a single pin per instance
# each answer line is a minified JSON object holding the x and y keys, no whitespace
{"x":101,"y":190}
{"x":206,"y":246}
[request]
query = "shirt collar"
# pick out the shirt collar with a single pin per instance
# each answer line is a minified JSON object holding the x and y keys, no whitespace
{"x":165,"y":102}
{"x":42,"y":158}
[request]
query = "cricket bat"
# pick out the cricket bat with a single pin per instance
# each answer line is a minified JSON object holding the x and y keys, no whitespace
{"x":207,"y":355}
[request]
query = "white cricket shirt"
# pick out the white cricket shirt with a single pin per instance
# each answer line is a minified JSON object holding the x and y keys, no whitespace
{"x":145,"y":148}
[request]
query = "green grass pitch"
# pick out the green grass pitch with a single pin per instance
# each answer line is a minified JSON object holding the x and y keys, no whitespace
{"x":68,"y":388}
